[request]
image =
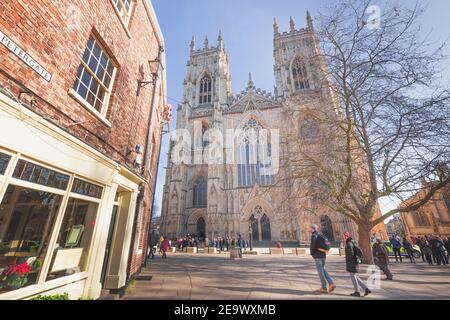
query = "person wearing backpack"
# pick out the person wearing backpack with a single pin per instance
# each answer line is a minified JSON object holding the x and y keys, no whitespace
{"x":318,"y":250}
{"x":353,"y":254}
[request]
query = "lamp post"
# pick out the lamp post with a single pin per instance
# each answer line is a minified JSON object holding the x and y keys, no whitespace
{"x":251,"y":236}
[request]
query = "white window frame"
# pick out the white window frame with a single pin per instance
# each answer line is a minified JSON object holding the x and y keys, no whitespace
{"x":108,"y":90}
{"x":125,"y":22}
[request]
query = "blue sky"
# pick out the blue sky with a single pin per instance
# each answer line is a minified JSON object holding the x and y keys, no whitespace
{"x":247,"y":31}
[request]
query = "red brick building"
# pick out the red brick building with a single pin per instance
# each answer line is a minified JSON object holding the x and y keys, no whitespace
{"x":82,"y":110}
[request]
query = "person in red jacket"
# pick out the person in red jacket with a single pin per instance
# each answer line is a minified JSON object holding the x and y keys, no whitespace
{"x":165,"y":245}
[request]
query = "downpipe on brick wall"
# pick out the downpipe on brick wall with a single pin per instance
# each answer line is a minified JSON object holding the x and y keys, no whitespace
{"x":144,"y":165}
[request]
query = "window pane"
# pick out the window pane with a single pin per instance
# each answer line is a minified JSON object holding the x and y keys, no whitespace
{"x":93,"y":64}
{"x":31,"y":172}
{"x":87,"y":189}
{"x":4,"y":160}
{"x":82,"y":91}
{"x":90,"y":42}
{"x":86,"y":79}
{"x":74,"y":239}
{"x":97,"y":51}
{"x":27,"y":218}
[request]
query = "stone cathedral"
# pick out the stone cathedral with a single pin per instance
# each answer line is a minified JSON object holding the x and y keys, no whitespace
{"x":242,"y":197}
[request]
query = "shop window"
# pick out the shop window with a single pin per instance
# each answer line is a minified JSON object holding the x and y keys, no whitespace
{"x":4,"y":160}
{"x":95,"y":77}
{"x":74,"y":239}
{"x":87,"y":189}
{"x":27,"y":218}
{"x":31,"y":172}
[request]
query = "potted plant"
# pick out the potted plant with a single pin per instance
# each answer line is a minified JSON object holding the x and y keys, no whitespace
{"x":15,"y":276}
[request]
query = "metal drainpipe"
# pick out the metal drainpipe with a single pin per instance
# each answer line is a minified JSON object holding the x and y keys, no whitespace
{"x":138,"y":203}
{"x":153,"y":202}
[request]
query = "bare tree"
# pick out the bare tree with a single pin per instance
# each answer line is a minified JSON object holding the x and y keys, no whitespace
{"x":389,"y":133}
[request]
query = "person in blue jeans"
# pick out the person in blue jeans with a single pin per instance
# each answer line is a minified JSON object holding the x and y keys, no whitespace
{"x":318,"y":252}
{"x":396,"y":246}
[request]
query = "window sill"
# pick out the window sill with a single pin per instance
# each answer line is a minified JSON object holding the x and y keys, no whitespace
{"x":124,"y":25}
{"x":35,"y":289}
{"x":81,"y":101}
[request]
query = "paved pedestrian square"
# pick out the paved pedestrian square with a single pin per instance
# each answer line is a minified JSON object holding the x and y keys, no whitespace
{"x":201,"y":276}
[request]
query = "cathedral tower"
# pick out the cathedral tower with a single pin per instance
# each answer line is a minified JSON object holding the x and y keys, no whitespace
{"x":296,"y":67}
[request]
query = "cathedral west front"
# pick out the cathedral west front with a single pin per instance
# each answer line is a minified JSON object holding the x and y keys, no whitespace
{"x":242,"y":193}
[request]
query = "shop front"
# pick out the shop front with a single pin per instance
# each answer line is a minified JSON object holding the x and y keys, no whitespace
{"x":63,"y":205}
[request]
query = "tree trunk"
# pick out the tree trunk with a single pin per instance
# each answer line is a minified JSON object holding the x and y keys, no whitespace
{"x":364,"y":229}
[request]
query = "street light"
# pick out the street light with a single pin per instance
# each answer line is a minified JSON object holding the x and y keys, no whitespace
{"x":251,"y":236}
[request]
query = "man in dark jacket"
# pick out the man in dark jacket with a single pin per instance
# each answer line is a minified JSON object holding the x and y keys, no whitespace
{"x":319,"y":254}
{"x":396,"y":246}
{"x":438,"y":249}
{"x":152,"y":241}
{"x":352,"y":256}
{"x":447,"y":247}
{"x":381,"y":258}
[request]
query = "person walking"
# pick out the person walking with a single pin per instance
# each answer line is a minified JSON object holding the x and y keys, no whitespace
{"x":447,"y":246}
{"x":381,"y":258}
{"x":240,"y":243}
{"x":161,"y":239}
{"x":421,"y":242}
{"x":152,"y":241}
{"x":352,"y":256}
{"x":409,"y":250}
{"x":318,"y":250}
{"x":442,"y":251}
{"x":438,"y":249}
{"x":396,"y":246}
{"x":165,"y":245}
{"x":426,"y":249}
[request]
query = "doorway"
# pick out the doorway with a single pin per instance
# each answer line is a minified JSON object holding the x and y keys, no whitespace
{"x":112,"y":226}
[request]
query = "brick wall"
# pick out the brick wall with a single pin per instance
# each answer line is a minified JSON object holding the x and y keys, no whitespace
{"x":55,"y":33}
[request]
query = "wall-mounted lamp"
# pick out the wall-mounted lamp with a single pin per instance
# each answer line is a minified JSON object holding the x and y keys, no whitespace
{"x":155,"y":74}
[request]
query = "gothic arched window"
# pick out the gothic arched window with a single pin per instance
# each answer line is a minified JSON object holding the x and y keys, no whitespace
{"x":327,"y":227}
{"x":309,"y":128}
{"x":420,"y":219}
{"x":299,"y":74}
{"x":200,"y":193}
{"x":254,"y":156}
{"x":205,"y":94}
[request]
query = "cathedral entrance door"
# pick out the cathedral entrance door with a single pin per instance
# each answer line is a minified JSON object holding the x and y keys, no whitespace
{"x":265,"y":228}
{"x":201,"y":228}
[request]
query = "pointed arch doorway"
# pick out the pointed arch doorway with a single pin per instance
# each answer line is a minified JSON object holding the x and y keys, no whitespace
{"x":201,"y":228}
{"x":265,"y":228}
